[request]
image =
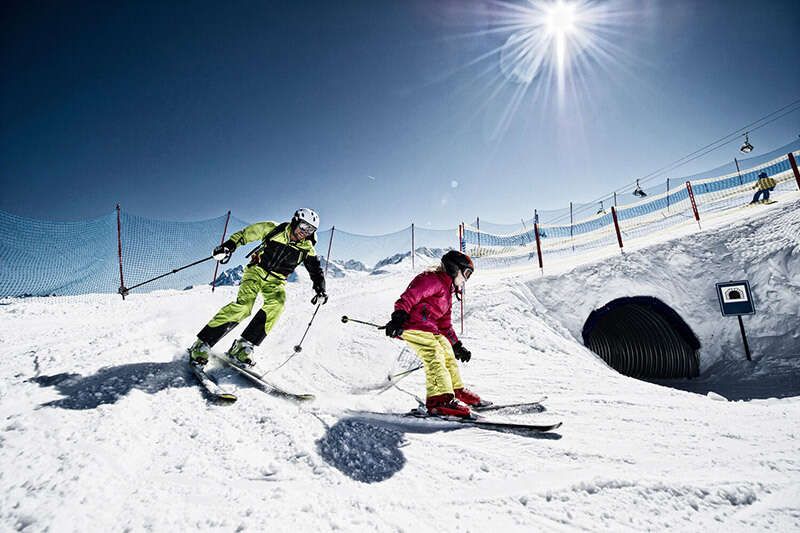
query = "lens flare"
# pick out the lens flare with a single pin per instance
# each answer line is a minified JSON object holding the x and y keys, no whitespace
{"x":546,"y":39}
{"x":553,"y":50}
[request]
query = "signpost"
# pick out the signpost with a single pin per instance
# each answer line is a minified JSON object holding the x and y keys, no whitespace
{"x":735,"y":299}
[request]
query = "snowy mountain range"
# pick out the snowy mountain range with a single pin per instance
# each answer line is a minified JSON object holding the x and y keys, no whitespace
{"x":339,"y":269}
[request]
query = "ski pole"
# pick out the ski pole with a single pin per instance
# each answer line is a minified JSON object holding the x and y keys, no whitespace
{"x":125,"y":290}
{"x":346,"y":319}
{"x":298,"y":347}
{"x":396,"y":377}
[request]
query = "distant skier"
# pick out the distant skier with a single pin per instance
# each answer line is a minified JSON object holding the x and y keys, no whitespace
{"x":283,"y":247}
{"x":765,"y":184}
{"x":422,"y":319}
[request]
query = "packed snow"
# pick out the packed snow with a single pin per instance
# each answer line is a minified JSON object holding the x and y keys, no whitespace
{"x":104,"y":428}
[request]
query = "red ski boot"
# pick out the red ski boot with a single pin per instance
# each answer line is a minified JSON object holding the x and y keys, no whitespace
{"x":446,"y":405}
{"x":468,"y":397}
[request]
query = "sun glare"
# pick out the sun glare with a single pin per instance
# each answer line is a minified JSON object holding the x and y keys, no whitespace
{"x":560,"y":19}
{"x":550,"y":48}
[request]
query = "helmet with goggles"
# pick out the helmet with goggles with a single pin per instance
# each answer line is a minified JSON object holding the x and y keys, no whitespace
{"x":454,"y":262}
{"x":306,"y":220}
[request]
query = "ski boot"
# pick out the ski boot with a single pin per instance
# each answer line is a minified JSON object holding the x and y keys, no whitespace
{"x":198,"y":353}
{"x":240,"y":353}
{"x":446,"y":405}
{"x":468,"y":397}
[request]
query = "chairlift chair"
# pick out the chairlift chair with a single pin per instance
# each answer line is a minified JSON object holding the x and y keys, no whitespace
{"x":746,"y":148}
{"x":638,"y":191}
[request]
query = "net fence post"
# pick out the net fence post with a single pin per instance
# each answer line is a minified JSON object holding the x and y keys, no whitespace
{"x":462,"y":248}
{"x":216,"y":266}
{"x":571,"y":228}
{"x":119,"y":254}
{"x":694,"y":204}
{"x":616,"y":226}
{"x":738,"y":171}
{"x":538,"y":246}
{"x":328,"y":257}
{"x":413,"y":248}
{"x":793,"y":162}
{"x":478,"y":225}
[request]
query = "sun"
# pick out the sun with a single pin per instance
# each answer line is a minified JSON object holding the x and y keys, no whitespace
{"x":560,"y":19}
{"x":550,"y":52}
{"x":546,"y":38}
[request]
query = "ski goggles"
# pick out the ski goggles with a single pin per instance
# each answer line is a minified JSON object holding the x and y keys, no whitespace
{"x":467,"y":272}
{"x":305,"y":228}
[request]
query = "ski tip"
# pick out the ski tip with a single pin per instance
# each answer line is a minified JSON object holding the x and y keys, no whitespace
{"x":226,"y":399}
{"x":306,"y":397}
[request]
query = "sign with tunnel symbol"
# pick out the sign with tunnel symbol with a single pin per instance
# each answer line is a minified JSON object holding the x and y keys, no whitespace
{"x":735,"y":298}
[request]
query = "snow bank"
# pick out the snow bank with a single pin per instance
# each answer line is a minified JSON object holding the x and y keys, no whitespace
{"x":104,"y":430}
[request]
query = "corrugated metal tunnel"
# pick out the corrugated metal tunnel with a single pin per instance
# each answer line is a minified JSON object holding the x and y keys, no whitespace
{"x":642,"y":337}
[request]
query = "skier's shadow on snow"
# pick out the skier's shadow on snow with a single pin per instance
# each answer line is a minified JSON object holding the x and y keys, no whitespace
{"x":370,"y":451}
{"x":110,"y":384}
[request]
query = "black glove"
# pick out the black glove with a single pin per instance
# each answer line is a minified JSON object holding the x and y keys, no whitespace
{"x":461,"y":353}
{"x":319,"y":289}
{"x":222,"y":253}
{"x":394,"y":328}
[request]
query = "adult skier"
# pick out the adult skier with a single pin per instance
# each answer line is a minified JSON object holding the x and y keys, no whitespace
{"x":283,"y":247}
{"x":421,"y":317}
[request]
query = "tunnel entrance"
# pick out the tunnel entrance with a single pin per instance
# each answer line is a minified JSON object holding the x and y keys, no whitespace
{"x":642,"y":337}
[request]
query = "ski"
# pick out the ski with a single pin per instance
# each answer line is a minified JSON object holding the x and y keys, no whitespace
{"x":217,"y":393}
{"x":448,"y":422}
{"x":266,"y":386}
{"x":477,"y":420}
{"x":535,"y":406}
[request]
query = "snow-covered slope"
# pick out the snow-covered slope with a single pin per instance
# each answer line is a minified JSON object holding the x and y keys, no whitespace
{"x":104,"y":429}
{"x":683,"y":272}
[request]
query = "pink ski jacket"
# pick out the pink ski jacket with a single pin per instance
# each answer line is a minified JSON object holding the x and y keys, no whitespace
{"x":428,"y":301}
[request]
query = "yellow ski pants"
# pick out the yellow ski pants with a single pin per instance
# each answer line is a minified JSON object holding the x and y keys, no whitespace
{"x":441,"y":368}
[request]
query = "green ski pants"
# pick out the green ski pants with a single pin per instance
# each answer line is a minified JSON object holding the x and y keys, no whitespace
{"x":255,"y":281}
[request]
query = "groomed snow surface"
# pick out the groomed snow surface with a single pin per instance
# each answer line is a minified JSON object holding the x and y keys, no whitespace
{"x":104,"y":429}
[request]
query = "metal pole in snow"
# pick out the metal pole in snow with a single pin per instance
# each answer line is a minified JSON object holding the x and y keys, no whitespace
{"x":413,"y":249}
{"x":119,"y":253}
{"x":694,"y":205}
{"x":744,"y":338}
{"x":738,"y":171}
{"x":328,"y":257}
{"x":538,"y":246}
{"x":571,"y":235}
{"x":616,"y":226}
{"x":793,"y":162}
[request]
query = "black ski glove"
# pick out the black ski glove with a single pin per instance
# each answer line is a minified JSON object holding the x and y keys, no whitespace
{"x":222,"y":253}
{"x":319,"y":289}
{"x":394,"y":328}
{"x":461,"y":353}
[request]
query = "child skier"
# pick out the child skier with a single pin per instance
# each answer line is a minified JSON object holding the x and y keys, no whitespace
{"x":283,"y":247}
{"x":422,"y":319}
{"x":765,"y":184}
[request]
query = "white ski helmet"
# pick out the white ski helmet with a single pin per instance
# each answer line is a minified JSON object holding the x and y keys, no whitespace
{"x":306,"y":215}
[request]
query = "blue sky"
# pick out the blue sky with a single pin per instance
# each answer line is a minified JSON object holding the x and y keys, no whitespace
{"x":375,"y":113}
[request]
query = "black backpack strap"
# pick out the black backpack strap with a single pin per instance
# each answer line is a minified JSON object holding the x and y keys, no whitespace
{"x":280,"y":228}
{"x":275,"y":231}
